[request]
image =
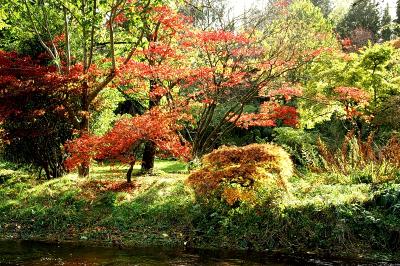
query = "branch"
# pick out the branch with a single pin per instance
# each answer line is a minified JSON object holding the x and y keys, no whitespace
{"x":92,"y":33}
{"x":67,"y":41}
{"x":46,"y":21}
{"x":39,"y":37}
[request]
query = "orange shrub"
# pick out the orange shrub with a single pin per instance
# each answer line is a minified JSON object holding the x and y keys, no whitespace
{"x":237,"y":174}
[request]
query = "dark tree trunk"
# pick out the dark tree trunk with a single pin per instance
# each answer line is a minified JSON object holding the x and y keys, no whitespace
{"x":148,"y":157}
{"x":129,"y":173}
{"x":149,"y":148}
{"x":47,"y":171}
{"x":83,"y":169}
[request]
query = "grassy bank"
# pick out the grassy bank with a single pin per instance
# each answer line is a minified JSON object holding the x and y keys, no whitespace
{"x":321,"y":214}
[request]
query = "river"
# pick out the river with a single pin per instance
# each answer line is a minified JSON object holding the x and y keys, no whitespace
{"x":37,"y":253}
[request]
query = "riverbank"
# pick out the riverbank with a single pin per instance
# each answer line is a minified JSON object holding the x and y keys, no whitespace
{"x":321,"y":214}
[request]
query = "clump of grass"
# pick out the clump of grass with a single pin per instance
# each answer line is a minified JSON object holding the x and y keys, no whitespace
{"x":362,"y":161}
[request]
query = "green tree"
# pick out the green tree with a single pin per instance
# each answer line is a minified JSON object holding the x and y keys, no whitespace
{"x":397,"y":20}
{"x":373,"y":70}
{"x":398,"y":11}
{"x":361,"y":23}
{"x":324,"y":5}
{"x":386,"y":21}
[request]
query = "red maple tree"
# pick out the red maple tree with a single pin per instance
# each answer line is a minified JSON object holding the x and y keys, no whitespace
{"x":122,"y":141}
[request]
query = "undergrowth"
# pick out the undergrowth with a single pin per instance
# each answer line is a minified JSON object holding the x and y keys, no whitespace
{"x":321,"y":213}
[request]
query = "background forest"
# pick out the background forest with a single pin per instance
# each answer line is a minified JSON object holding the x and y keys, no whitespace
{"x":277,"y":128}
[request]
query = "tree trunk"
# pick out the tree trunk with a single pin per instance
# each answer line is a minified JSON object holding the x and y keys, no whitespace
{"x":150,"y":148}
{"x":148,"y":157}
{"x":129,"y":173}
{"x":83,"y":169}
{"x":47,"y":171}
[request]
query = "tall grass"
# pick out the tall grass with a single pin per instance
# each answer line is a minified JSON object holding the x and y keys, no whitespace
{"x":362,"y":160}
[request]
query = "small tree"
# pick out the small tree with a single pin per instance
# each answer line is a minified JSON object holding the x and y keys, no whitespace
{"x":120,"y":143}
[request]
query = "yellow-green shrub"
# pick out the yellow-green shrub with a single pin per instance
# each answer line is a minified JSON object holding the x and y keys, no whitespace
{"x":237,"y":174}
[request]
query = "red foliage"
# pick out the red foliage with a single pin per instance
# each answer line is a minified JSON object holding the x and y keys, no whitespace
{"x":270,"y":113}
{"x":352,"y":94}
{"x":158,"y":68}
{"x":21,"y":78}
{"x":120,"y":143}
{"x":354,"y":99}
{"x":273,"y":111}
{"x":346,"y":43}
{"x":98,"y":186}
{"x":286,"y":92}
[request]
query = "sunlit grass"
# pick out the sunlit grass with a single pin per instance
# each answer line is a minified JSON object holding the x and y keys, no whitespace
{"x":161,"y":167}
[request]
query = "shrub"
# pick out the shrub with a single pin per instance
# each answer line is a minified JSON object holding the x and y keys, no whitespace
{"x":300,"y":144}
{"x":33,"y":136}
{"x":238,"y":174}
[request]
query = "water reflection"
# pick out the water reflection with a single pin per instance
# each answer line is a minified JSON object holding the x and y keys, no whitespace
{"x":34,"y":253}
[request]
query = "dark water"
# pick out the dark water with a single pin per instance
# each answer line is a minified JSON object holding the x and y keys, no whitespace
{"x":34,"y":253}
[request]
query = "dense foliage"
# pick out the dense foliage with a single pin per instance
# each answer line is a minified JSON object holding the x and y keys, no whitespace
{"x":243,"y":174}
{"x":285,"y":120}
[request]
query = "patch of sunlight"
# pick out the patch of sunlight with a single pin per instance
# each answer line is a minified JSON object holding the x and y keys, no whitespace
{"x":170,"y":166}
{"x":6,"y":172}
{"x":54,"y":186}
{"x":11,"y":202}
{"x":161,"y":167}
{"x":122,"y":198}
{"x":324,"y":195}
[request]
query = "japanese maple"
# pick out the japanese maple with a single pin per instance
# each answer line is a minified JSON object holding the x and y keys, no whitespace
{"x":121,"y":142}
{"x":33,"y":116}
{"x":276,"y":110}
{"x":354,"y":100}
{"x":155,"y":72}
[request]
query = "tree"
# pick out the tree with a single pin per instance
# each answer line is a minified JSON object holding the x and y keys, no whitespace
{"x":397,"y":20}
{"x":324,"y":5}
{"x":243,"y":68}
{"x":120,"y":144}
{"x":161,"y":66}
{"x":398,"y":11}
{"x":80,"y":38}
{"x":350,"y":85}
{"x":386,"y":21}
{"x":34,"y":122}
{"x":206,"y":14}
{"x":362,"y":16}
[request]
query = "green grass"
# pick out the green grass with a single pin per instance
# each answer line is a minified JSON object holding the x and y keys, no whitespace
{"x":318,"y":214}
{"x":118,"y":171}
